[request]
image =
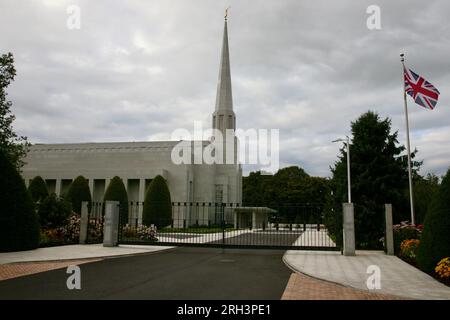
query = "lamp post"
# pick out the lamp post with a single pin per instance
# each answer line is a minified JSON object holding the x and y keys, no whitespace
{"x":347,"y":142}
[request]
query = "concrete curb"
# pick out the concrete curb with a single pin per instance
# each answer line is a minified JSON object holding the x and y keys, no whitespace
{"x":102,"y":257}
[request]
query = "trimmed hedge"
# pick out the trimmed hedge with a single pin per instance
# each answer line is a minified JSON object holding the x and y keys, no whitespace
{"x":38,"y":189}
{"x":116,"y":192}
{"x":19,"y":224}
{"x":78,"y":192}
{"x":435,"y":239}
{"x":157,"y":204}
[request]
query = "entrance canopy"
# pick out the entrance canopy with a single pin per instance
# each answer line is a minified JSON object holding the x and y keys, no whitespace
{"x":249,"y":217}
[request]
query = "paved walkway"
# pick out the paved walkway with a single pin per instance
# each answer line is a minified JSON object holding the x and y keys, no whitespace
{"x":397,"y":277}
{"x":303,"y":287}
{"x":15,"y":270}
{"x":75,"y":252}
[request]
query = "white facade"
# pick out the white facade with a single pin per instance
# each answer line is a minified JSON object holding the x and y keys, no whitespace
{"x":138,"y":162}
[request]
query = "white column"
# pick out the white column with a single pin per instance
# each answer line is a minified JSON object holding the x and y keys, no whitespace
{"x":58,"y":187}
{"x":91,"y":187}
{"x":107,"y":181}
{"x":141,"y":199}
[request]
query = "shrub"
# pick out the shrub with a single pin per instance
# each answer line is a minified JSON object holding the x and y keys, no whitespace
{"x":78,"y":192}
{"x":95,"y":231}
{"x":141,"y":232}
{"x":408,"y":250}
{"x":157,"y":205}
{"x":38,"y":189}
{"x":73,"y":228}
{"x":129,"y":232}
{"x":53,"y":212}
{"x":146,"y":233}
{"x":19,"y":224}
{"x":116,"y":192}
{"x":67,"y":234}
{"x":435,"y":239}
{"x":443,"y":270}
{"x":404,"y":231}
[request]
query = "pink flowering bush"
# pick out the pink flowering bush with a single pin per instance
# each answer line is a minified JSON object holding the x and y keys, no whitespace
{"x":140,"y":233}
{"x":95,"y":231}
{"x":69,"y":233}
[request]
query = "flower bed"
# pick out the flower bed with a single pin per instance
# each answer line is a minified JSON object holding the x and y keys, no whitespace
{"x":442,"y":271}
{"x":67,"y":234}
{"x":408,"y":250}
{"x":142,"y":233}
{"x":405,"y":231}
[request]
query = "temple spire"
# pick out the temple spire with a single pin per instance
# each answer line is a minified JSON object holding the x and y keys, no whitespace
{"x":223,"y":116}
{"x":224,"y":98}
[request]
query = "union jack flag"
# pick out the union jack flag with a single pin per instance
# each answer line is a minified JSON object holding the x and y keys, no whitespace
{"x":423,"y":92}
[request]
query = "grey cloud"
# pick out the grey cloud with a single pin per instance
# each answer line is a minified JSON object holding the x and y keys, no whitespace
{"x":137,"y":70}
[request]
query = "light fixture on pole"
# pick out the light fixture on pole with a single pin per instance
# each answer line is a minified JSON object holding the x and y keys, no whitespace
{"x":347,"y":142}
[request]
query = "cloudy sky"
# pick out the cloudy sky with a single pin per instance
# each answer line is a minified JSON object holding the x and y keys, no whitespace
{"x":137,"y":70}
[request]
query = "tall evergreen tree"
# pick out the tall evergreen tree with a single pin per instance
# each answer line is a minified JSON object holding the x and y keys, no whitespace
{"x":19,"y":224}
{"x":157,"y":204}
{"x":116,"y":192}
{"x":435,"y":239}
{"x":379,"y":175}
{"x":15,"y":147}
{"x":38,"y":189}
{"x":425,"y":189}
{"x":78,"y":192}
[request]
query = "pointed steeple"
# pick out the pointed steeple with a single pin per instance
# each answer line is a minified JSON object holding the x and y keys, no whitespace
{"x":223,"y":116}
{"x":224,"y":98}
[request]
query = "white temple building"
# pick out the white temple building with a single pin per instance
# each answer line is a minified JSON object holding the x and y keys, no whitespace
{"x":138,"y":162}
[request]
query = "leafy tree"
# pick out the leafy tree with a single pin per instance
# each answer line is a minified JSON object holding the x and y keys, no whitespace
{"x":78,"y":192}
{"x":15,"y":147}
{"x":286,"y":186}
{"x":435,"y":239}
{"x":116,"y":192}
{"x":157,"y":205}
{"x":38,"y":189}
{"x":53,"y":211}
{"x":297,"y":196}
{"x":19,"y":225}
{"x":379,"y":175}
{"x":255,"y":189}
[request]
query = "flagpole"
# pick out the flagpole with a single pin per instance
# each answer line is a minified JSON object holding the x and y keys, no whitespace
{"x":408,"y":148}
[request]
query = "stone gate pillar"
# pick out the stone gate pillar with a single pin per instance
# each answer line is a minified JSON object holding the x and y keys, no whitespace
{"x":389,"y":234}
{"x":111,"y":224}
{"x":84,"y":222}
{"x":348,"y":231}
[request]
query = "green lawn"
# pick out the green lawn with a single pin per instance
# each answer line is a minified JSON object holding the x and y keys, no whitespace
{"x":194,"y":230}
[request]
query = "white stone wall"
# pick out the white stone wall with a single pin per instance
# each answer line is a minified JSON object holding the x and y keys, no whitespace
{"x":134,"y":162}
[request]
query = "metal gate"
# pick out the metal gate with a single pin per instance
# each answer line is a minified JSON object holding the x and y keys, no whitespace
{"x":95,"y":223}
{"x":294,"y":226}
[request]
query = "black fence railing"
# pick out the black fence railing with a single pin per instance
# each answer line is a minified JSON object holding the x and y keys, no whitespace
{"x":298,"y":226}
{"x":95,"y":222}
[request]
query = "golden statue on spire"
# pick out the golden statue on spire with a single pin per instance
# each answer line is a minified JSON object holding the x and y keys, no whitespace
{"x":226,"y":12}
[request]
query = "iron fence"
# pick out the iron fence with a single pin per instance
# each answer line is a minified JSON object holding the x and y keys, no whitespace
{"x":296,"y":226}
{"x":95,"y":222}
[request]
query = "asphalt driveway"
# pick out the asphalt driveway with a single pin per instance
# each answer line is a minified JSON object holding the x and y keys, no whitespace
{"x":181,"y":273}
